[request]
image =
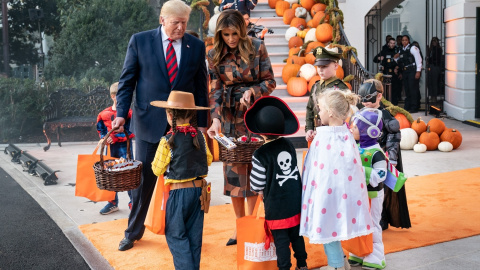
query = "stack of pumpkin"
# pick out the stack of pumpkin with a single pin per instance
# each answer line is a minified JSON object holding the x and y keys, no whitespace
{"x":309,"y":28}
{"x":430,"y":136}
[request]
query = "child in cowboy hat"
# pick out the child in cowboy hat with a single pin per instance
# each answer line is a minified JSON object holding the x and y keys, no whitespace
{"x":183,"y":158}
{"x":275,"y":175}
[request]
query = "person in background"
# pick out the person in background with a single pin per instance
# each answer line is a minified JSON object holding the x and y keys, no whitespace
{"x":240,"y":5}
{"x":252,"y":29}
{"x":389,"y":66}
{"x":240,"y":73}
{"x":157,"y":61}
{"x":399,"y":42}
{"x":410,"y":62}
{"x":434,"y":68}
{"x":387,"y":38}
{"x":117,"y":142}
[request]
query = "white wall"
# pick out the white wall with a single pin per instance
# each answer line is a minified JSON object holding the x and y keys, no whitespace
{"x":460,"y":19}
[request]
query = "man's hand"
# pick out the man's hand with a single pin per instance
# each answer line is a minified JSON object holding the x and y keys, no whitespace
{"x":118,"y":122}
{"x":417,"y":75}
{"x":214,"y":128}
{"x":310,"y":135}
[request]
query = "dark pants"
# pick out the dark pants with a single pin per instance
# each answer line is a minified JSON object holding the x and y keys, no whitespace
{"x":144,"y":152}
{"x":412,"y":90}
{"x":184,"y":227}
{"x":282,"y":239}
{"x":433,"y":80}
{"x":396,"y":89}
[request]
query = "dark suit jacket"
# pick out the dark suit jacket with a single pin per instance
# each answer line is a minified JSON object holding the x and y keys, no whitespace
{"x":145,"y":73}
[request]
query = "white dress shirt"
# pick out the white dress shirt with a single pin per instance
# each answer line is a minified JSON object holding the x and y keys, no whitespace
{"x":177,"y":46}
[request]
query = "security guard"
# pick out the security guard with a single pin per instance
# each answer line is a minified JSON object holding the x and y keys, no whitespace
{"x":327,"y":64}
{"x":410,"y":63}
{"x":389,"y":66}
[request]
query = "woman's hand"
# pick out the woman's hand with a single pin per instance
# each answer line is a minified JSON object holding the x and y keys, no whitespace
{"x":310,"y":135}
{"x":247,"y":96}
{"x":214,"y":128}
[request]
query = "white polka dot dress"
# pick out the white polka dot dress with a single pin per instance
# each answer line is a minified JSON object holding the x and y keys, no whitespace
{"x":335,"y":203}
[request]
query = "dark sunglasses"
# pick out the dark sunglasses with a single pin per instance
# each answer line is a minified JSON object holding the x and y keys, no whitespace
{"x":370,"y":97}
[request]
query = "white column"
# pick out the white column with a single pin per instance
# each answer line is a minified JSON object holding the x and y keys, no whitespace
{"x":460,"y":40}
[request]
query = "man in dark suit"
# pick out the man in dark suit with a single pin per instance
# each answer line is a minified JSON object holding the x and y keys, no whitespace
{"x":148,"y":71}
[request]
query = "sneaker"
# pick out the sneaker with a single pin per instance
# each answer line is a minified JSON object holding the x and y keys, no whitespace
{"x":108,"y":209}
{"x":354,"y":263}
{"x":369,"y":267}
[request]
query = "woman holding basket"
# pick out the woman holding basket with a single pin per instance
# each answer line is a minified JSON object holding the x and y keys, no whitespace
{"x":240,"y":72}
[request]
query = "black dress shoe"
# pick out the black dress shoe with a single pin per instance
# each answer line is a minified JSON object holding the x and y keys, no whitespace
{"x":231,"y":242}
{"x":125,"y":244}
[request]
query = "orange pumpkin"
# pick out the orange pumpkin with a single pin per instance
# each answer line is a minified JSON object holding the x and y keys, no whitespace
{"x":290,"y":70}
{"x":419,"y":126}
{"x":272,"y":3}
{"x":294,"y":51}
{"x":288,"y":16}
{"x":340,"y":73}
{"x":402,"y":119}
{"x":296,"y":60}
{"x":307,"y":4}
{"x":430,"y":139}
{"x":310,"y":58}
{"x":313,"y":45}
{"x":316,"y":8}
{"x":300,"y":23}
{"x":295,"y":42}
{"x":294,"y":6}
{"x":324,"y":33}
{"x":348,"y":85}
{"x":315,"y":21}
{"x":280,"y":7}
{"x":297,"y":86}
{"x":312,"y":81}
{"x":453,"y":136}
{"x":436,"y":125}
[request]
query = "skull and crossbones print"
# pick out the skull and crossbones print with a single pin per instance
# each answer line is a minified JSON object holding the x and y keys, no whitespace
{"x":284,"y":160}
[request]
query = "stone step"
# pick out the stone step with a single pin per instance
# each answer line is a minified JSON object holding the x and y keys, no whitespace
{"x":276,"y":48}
{"x":276,"y":38}
{"x":263,"y":11}
{"x":273,"y":22}
{"x":277,"y":67}
{"x":277,"y":57}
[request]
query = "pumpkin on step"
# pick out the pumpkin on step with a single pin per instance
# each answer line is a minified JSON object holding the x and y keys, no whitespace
{"x":295,"y":42}
{"x":297,"y":86}
{"x":271,"y":3}
{"x":402,"y":119}
{"x":420,"y":148}
{"x":317,"y":7}
{"x":280,"y":7}
{"x":298,"y":22}
{"x":290,"y":70}
{"x":430,"y":139}
{"x":419,"y":126}
{"x":288,"y":16}
{"x":445,"y":146}
{"x":296,"y":60}
{"x":310,"y":58}
{"x":409,"y":138}
{"x":291,"y":32}
{"x":301,"y":12}
{"x":453,"y":136}
{"x":324,"y":32}
{"x":307,"y":4}
{"x":436,"y":125}
{"x":312,"y":81}
{"x":307,"y":71}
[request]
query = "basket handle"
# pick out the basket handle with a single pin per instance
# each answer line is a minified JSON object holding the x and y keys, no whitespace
{"x":103,"y":145}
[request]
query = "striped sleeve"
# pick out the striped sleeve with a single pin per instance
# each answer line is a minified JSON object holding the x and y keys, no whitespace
{"x":258,"y":178}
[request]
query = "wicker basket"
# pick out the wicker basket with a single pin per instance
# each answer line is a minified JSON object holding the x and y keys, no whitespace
{"x":242,"y":153}
{"x":123,"y":180}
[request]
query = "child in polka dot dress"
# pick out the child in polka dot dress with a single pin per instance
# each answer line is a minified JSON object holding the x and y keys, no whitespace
{"x":334,"y":200}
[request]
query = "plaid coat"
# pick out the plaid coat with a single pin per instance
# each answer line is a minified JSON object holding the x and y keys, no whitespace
{"x":231,"y":78}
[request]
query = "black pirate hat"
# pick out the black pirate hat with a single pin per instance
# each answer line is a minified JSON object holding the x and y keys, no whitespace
{"x":271,"y":116}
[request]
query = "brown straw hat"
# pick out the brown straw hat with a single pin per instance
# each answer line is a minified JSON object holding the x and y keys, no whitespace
{"x":179,"y":100}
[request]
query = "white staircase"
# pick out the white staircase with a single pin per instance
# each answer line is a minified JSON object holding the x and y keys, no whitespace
{"x":277,"y":48}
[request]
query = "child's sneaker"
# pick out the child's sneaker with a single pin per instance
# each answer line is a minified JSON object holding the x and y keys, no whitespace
{"x":354,"y":263}
{"x":109,"y":208}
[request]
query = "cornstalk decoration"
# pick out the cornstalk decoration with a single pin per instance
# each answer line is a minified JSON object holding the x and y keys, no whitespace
{"x":202,"y":5}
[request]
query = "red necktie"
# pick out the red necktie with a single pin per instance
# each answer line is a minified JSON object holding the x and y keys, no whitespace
{"x":171,"y":60}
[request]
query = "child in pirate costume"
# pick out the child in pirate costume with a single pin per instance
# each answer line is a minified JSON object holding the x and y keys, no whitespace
{"x":395,"y":208}
{"x":183,"y":158}
{"x":275,"y":175}
{"x":366,"y":128}
{"x":326,"y":63}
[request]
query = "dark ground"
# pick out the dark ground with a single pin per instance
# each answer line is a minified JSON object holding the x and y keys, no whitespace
{"x":77,"y":134}
{"x":29,"y":238}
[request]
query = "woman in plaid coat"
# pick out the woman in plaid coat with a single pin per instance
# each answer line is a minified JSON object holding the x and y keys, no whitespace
{"x":240,"y":73}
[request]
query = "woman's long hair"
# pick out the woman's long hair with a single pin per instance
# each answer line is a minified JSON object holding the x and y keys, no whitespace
{"x":232,"y":19}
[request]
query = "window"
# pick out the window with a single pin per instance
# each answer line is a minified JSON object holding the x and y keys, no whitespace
{"x":391,"y":26}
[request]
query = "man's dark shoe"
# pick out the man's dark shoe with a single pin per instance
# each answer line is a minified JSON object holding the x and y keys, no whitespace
{"x":125,"y":244}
